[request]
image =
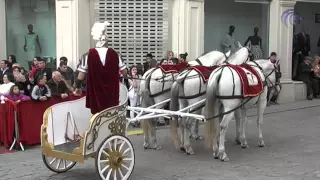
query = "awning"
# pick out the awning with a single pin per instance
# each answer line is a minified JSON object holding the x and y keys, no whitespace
{"x":253,"y":1}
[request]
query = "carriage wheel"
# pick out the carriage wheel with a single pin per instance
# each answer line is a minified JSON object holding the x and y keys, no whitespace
{"x":58,"y":165}
{"x":115,"y":158}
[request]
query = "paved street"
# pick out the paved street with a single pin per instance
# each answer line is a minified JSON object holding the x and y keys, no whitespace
{"x":292,"y":152}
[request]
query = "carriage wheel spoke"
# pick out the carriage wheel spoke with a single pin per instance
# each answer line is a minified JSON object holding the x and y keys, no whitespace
{"x":58,"y":165}
{"x":104,"y":161}
{"x":121,"y":175}
{"x":105,"y":153}
{"x":110,"y":146}
{"x":121,"y":146}
{"x":109,"y":174}
{"x":127,"y":159}
{"x":125,"y":166}
{"x":115,"y":144}
{"x":104,"y":169}
{"x":64,"y":164}
{"x":53,"y":160}
{"x":127,"y":150}
{"x":115,"y":175}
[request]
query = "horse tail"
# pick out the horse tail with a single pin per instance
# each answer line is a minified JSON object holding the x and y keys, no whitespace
{"x":174,"y":106}
{"x":210,"y":125}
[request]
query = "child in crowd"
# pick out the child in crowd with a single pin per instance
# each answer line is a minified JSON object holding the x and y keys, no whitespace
{"x":15,"y":95}
{"x":41,"y":91}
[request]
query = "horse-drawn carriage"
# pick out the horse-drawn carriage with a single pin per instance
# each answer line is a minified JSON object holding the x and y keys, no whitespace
{"x":67,"y":137}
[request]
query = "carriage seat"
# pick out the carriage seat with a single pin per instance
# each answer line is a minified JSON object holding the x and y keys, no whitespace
{"x":71,"y":119}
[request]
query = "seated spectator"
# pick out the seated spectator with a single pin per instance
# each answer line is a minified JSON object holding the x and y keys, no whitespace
{"x":273,"y":92}
{"x":11,"y":60}
{"x":21,"y":81}
{"x":183,"y":57}
{"x":41,"y":91}
{"x":67,"y":75}
{"x":16,"y":96}
{"x":306,"y":75}
{"x":16,"y":65}
{"x":69,"y":72}
{"x":4,"y":65}
{"x":7,"y":84}
{"x":42,"y":70}
{"x":57,"y":86}
{"x":164,"y":62}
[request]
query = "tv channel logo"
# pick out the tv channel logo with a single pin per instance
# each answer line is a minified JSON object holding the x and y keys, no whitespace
{"x":289,"y":16}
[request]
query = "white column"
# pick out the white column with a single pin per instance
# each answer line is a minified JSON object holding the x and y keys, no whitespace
{"x":3,"y":35}
{"x":72,"y":29}
{"x":281,"y":36}
{"x":188,"y":27}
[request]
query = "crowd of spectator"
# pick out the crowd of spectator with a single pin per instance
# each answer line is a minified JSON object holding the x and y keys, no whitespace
{"x":38,"y":83}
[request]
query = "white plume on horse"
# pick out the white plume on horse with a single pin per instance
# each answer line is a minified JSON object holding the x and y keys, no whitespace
{"x":98,"y":30}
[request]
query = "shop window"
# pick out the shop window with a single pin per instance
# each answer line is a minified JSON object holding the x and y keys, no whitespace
{"x":27,"y":23}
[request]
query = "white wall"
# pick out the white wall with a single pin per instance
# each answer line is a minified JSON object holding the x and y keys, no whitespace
{"x":307,"y":11}
{"x":220,"y":14}
{"x":3,"y":46}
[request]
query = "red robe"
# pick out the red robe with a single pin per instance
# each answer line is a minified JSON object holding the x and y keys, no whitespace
{"x":102,"y":88}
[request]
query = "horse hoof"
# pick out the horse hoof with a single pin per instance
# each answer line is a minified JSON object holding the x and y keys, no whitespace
{"x":190,"y":151}
{"x":157,"y":147}
{"x":244,"y":146}
{"x":224,"y":157}
{"x":261,"y":143}
{"x":199,"y":138}
{"x":182,"y":149}
{"x":238,"y":142}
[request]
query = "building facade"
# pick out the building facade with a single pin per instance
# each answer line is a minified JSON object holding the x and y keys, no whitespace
{"x":155,"y":26}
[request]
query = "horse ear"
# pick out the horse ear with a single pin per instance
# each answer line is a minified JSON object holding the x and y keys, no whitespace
{"x":228,"y":53}
{"x":239,"y":44}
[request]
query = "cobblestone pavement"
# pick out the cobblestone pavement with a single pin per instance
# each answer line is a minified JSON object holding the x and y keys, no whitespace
{"x":292,"y":152}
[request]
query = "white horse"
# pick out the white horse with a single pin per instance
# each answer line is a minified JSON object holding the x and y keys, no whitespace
{"x":188,"y":89}
{"x":156,"y":88}
{"x":225,"y":88}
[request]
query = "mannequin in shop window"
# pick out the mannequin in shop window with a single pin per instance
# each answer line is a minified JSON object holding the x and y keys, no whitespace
{"x":229,"y":42}
{"x":255,"y":42}
{"x":31,"y":40}
{"x":302,"y":43}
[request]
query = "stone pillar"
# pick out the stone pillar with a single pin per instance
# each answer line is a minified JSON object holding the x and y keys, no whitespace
{"x":3,"y":35}
{"x":73,"y":22}
{"x":280,"y":41}
{"x":281,"y":35}
{"x":188,"y":27}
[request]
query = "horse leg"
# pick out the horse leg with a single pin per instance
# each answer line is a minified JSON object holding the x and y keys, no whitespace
{"x":196,"y":123}
{"x":224,"y":126}
{"x":238,"y":125}
{"x":215,"y":142}
{"x":182,"y":132}
{"x":243,"y":118}
{"x":261,"y":107}
{"x":187,"y":130}
{"x":145,"y":128}
{"x":153,"y":136}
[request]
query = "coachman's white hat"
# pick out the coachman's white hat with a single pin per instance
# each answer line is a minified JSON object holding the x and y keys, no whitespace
{"x":98,"y":32}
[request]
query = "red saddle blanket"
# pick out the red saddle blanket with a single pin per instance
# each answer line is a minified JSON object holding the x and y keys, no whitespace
{"x":204,"y":71}
{"x":251,"y":86}
{"x":173,"y":68}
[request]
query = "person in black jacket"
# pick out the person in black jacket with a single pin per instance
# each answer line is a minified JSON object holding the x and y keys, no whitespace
{"x":42,"y":71}
{"x":306,"y":71}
